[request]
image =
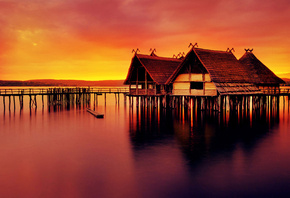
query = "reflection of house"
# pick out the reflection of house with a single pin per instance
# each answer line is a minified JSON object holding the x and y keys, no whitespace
{"x":201,"y":73}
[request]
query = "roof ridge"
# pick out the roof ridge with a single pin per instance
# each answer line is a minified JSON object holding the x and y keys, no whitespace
{"x":221,"y":51}
{"x":157,"y":57}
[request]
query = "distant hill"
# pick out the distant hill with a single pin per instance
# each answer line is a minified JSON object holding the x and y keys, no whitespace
{"x":284,"y":75}
{"x":51,"y":82}
{"x":287,"y":80}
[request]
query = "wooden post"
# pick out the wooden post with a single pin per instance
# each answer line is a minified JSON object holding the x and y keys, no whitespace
{"x":203,"y":81}
{"x":9,"y":102}
{"x":14,"y":101}
{"x":142,"y":101}
{"x":189,"y":77}
{"x":137,"y":92}
{"x":278,"y":104}
{"x":240,"y":104}
{"x":125,"y":98}
{"x":198,"y":103}
{"x":105,"y":97}
{"x":146,"y":90}
{"x":20,"y":101}
{"x":30,"y":101}
{"x":221,"y":100}
{"x":194,"y":104}
{"x":172,"y":101}
{"x":137,"y":101}
{"x":4,"y":102}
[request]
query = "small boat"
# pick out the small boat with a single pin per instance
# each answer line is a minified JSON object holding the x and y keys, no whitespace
{"x":94,"y":113}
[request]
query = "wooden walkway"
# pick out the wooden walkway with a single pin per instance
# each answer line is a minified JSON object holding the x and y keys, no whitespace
{"x":82,"y":95}
{"x":51,"y":91}
{"x":58,"y":95}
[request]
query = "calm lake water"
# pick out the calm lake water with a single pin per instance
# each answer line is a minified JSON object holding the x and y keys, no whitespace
{"x":140,"y":153}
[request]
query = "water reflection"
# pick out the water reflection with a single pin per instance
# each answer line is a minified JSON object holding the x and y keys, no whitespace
{"x":145,"y":151}
{"x":200,"y":133}
{"x":207,"y":153}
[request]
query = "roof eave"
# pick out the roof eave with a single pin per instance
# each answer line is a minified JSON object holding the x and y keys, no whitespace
{"x":129,"y":71}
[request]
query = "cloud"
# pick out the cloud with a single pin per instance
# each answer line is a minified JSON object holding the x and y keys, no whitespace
{"x":37,"y":31}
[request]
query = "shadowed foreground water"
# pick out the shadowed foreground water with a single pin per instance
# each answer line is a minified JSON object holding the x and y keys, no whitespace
{"x":143,"y":152}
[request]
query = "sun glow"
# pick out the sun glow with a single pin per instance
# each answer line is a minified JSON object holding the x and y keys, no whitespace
{"x":93,"y":40}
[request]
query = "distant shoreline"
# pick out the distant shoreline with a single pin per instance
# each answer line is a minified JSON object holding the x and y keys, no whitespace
{"x":64,"y":83}
{"x":50,"y":82}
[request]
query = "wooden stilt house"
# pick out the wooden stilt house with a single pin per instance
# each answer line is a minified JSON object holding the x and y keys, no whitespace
{"x":260,"y":75}
{"x":148,"y":74}
{"x":210,"y":73}
{"x":202,"y":72}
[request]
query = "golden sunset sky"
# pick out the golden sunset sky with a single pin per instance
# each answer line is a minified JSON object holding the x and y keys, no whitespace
{"x":93,"y":39}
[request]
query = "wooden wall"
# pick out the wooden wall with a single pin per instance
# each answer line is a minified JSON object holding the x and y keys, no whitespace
{"x":193,"y":77}
{"x":181,"y":86}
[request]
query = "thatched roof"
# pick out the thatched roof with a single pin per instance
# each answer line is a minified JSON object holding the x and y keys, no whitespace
{"x":222,"y":66}
{"x":260,"y":74}
{"x":158,"y":68}
{"x":237,"y":88}
{"x":231,"y":76}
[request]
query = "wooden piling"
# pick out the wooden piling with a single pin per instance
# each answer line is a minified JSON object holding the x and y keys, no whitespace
{"x":9,"y":102}
{"x":4,"y":102}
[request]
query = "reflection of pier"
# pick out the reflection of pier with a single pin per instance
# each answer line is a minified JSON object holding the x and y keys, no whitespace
{"x":149,"y":112}
{"x":206,"y":132}
{"x":222,"y":103}
{"x":57,"y":96}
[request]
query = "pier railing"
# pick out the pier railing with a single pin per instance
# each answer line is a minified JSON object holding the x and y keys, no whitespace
{"x":281,"y":91}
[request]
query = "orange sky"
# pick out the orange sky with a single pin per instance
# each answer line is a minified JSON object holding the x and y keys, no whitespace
{"x":93,"y":39}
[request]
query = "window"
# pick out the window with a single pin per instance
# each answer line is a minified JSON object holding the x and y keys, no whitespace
{"x":196,"y":85}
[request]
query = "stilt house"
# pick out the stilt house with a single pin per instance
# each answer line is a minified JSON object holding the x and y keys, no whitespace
{"x":260,"y":75}
{"x":202,"y":72}
{"x":209,"y":73}
{"x":148,"y":74}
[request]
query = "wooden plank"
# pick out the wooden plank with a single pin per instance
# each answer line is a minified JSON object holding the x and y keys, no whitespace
{"x":179,"y":85}
{"x":94,"y":113}
{"x":209,"y":85}
{"x":188,"y":77}
{"x":207,"y":78}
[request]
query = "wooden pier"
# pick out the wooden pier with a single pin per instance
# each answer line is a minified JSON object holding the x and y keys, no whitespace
{"x":58,"y":95}
{"x":268,"y":100}
{"x":62,"y":96}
